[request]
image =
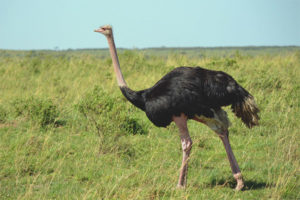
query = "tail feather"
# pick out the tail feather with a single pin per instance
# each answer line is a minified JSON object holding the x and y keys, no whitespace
{"x":247,"y":110}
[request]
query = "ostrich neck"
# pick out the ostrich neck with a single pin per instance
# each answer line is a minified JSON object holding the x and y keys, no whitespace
{"x":115,"y":60}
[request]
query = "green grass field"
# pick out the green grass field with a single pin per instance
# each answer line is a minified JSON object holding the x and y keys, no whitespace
{"x":66,"y":131}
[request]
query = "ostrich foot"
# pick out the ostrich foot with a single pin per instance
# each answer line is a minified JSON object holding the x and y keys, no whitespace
{"x":180,"y":187}
{"x":239,"y":179}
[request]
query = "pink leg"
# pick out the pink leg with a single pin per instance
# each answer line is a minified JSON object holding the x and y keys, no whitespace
{"x":186,"y":143}
{"x":233,"y":163}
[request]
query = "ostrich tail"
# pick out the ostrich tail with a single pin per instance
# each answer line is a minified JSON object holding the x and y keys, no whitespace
{"x":247,"y":110}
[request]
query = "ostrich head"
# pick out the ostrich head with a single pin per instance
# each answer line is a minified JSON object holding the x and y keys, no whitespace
{"x":105,"y":30}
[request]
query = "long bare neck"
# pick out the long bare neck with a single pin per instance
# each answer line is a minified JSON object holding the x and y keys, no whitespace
{"x":136,"y":98}
{"x":115,"y":60}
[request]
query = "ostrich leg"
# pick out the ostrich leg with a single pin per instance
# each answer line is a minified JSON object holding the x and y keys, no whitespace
{"x":233,"y":163}
{"x":186,"y":143}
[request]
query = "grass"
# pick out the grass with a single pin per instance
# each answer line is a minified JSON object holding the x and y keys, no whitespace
{"x":66,"y":132}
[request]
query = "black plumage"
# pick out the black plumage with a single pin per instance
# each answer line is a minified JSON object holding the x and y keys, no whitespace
{"x":189,"y":90}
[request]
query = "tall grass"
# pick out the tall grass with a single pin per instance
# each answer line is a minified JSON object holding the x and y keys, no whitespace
{"x":66,"y":132}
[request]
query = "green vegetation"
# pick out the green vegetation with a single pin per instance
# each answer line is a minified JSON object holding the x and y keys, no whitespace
{"x":66,"y":131}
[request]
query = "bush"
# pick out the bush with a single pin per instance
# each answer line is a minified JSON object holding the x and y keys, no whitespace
{"x":95,"y":105}
{"x":40,"y":111}
{"x":131,"y":125}
{"x":106,"y":116}
{"x":105,"y":113}
{"x":3,"y":114}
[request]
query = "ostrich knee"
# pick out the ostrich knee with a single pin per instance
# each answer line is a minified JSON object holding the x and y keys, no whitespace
{"x":186,"y":144}
{"x":186,"y":149}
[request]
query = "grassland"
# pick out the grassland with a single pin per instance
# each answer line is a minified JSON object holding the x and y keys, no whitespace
{"x":66,"y":132}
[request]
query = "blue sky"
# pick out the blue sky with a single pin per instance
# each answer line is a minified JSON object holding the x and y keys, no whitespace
{"x":47,"y":24}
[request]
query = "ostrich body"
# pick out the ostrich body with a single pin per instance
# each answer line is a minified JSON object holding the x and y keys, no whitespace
{"x":191,"y":93}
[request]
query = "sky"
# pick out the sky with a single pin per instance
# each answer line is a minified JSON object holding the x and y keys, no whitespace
{"x":69,"y":24}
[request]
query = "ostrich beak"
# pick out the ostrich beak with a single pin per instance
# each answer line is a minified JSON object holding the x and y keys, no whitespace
{"x":99,"y":30}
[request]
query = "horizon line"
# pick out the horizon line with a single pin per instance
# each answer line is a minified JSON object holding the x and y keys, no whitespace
{"x":161,"y":47}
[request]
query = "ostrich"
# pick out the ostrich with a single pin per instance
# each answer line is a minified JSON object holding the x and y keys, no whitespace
{"x":190,"y":93}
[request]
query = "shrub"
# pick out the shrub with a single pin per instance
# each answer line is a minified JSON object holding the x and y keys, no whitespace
{"x":3,"y":114}
{"x":131,"y":125}
{"x":41,"y":111}
{"x":105,"y":113}
{"x":106,"y":116}
{"x":95,"y":107}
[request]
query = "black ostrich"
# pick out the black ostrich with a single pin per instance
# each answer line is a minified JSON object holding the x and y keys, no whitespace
{"x":191,"y":93}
